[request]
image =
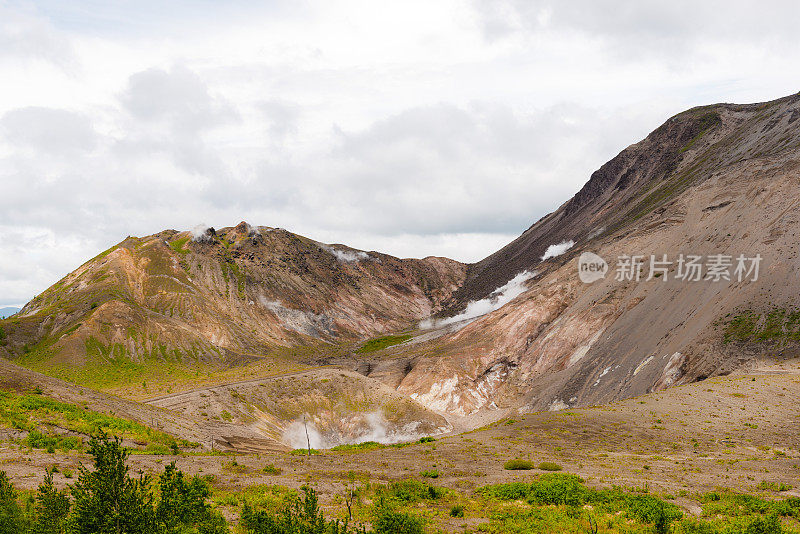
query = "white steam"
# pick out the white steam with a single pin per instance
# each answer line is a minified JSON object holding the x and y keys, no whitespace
{"x":307,"y":323}
{"x":357,"y":428}
{"x":557,"y":250}
{"x":346,"y":256}
{"x":200,"y":233}
{"x":476,"y":308}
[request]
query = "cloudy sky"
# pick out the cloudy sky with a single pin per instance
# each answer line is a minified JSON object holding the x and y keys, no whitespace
{"x":418,"y":127}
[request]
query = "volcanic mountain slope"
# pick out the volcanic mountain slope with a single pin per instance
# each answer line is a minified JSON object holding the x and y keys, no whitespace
{"x":180,"y":301}
{"x":720,"y":179}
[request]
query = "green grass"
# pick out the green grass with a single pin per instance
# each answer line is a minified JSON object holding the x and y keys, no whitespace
{"x":31,"y":411}
{"x":178,"y":244}
{"x":778,"y":325}
{"x":359,"y":447}
{"x":382,"y":342}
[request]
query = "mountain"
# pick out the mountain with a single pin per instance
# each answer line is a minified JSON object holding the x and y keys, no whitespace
{"x":175,"y":302}
{"x":7,"y":312}
{"x":213,"y":314}
{"x":719,"y":179}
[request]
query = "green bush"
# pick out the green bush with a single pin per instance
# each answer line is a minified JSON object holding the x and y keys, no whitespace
{"x":549,"y":466}
{"x":558,"y":489}
{"x":38,"y":440}
{"x":430,"y":473}
{"x":271,"y":470}
{"x":393,"y":522}
{"x":457,"y":511}
{"x":512,"y":491}
{"x":297,"y":515}
{"x":408,"y":491}
{"x":517,"y":465}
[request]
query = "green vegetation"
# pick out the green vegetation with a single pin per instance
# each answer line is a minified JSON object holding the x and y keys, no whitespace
{"x":271,"y":470}
{"x":778,"y":325}
{"x":457,"y":511}
{"x":178,"y":244}
{"x":358,"y":447}
{"x":549,"y":466}
{"x":110,"y":366}
{"x":382,"y":342}
{"x":409,"y":491}
{"x":518,"y":465}
{"x":38,"y":440}
{"x":562,"y":503}
{"x":304,"y":452}
{"x":430,"y":473}
{"x":297,"y":515}
{"x":106,"y":500}
{"x":31,"y":411}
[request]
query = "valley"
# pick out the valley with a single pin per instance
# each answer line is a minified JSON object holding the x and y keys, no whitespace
{"x":231,"y":351}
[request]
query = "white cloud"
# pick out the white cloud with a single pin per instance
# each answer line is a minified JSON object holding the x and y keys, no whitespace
{"x":48,"y":130}
{"x":399,"y":128}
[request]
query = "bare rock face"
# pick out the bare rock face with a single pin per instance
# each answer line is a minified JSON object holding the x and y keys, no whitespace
{"x":715,"y":180}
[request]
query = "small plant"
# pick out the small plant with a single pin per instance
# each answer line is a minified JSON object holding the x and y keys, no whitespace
{"x":457,"y":511}
{"x":304,"y":452}
{"x":549,"y":466}
{"x":271,"y":470}
{"x":430,"y":473}
{"x":426,"y":439}
{"x":518,"y":465}
{"x":234,"y":467}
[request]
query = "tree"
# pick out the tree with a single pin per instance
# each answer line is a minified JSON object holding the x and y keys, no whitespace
{"x":52,"y":508}
{"x":183,"y":503}
{"x":107,"y":500}
{"x":12,"y":520}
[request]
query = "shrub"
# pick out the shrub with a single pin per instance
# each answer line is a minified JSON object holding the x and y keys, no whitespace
{"x":233,"y":466}
{"x":511,"y":491}
{"x":388,"y":521}
{"x":558,"y":489}
{"x":457,"y":511}
{"x":430,"y":473}
{"x":517,"y":465}
{"x":407,"y":491}
{"x":549,"y":466}
{"x":426,"y":439}
{"x":297,"y":515}
{"x":271,"y":470}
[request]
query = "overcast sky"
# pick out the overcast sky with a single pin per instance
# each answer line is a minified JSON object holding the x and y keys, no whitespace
{"x":412,"y":128}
